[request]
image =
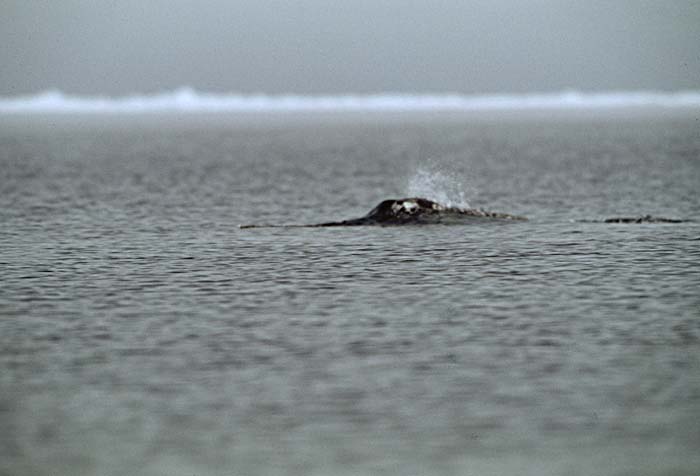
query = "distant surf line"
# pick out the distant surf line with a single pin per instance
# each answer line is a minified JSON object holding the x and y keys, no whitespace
{"x":189,"y":100}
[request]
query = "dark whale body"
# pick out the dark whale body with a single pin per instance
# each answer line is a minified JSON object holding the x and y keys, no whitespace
{"x":419,"y":211}
{"x":412,"y":211}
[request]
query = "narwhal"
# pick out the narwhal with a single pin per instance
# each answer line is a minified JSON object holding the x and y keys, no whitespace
{"x":413,"y":211}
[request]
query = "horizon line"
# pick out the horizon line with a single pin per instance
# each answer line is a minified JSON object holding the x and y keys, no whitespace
{"x":188,"y":99}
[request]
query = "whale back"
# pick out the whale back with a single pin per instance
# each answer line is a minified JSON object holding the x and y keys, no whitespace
{"x":416,"y":210}
{"x":404,"y":209}
{"x":412,"y":211}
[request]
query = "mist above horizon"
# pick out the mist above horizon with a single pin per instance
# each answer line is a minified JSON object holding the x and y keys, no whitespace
{"x":313,"y":47}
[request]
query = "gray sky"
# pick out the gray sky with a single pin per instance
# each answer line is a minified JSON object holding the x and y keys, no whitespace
{"x":348,"y":46}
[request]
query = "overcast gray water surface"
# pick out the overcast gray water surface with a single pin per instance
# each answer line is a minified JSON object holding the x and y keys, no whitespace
{"x":143,"y":332}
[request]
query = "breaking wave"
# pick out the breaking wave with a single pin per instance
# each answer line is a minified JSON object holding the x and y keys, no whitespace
{"x":190,"y":100}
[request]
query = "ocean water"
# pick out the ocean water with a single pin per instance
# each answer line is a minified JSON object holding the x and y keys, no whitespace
{"x":143,"y":332}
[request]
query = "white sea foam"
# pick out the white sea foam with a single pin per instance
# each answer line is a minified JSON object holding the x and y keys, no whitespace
{"x":187,"y":99}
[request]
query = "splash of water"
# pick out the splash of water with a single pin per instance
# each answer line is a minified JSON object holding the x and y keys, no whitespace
{"x":439,"y":187}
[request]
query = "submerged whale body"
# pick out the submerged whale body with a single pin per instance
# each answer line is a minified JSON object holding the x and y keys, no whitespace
{"x":413,"y":211}
{"x":421,"y":211}
{"x":642,"y":219}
